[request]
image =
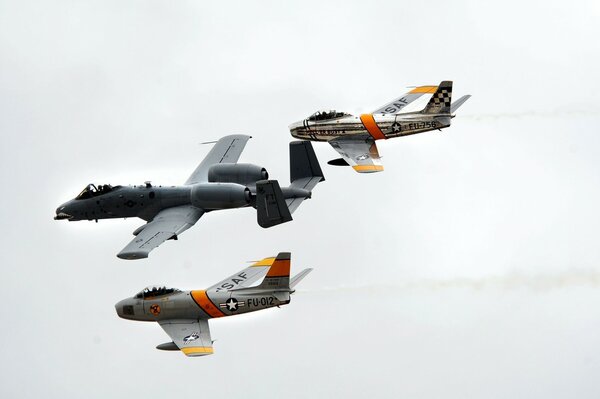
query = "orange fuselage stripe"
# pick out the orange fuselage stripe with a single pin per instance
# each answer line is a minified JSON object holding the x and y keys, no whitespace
{"x":369,"y":123}
{"x":202,"y":300}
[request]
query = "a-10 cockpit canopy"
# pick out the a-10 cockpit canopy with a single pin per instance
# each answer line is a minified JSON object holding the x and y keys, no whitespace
{"x":154,"y":291}
{"x":326,"y":115}
{"x":92,"y":191}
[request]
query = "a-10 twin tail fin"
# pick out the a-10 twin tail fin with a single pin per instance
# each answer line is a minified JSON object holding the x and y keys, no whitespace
{"x":271,"y":208}
{"x":275,"y":204}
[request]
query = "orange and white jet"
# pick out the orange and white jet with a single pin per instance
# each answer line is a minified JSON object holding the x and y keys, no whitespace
{"x":354,"y":136}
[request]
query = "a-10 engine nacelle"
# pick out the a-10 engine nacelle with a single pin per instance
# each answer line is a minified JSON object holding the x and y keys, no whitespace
{"x":210,"y":196}
{"x":241,"y":173}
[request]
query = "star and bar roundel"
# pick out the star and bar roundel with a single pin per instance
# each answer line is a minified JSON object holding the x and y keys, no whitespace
{"x":232,"y":304}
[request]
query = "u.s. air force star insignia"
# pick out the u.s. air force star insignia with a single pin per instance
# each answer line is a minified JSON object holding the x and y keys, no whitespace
{"x":396,"y":128}
{"x":191,"y":337}
{"x":232,"y":304}
{"x":155,"y":309}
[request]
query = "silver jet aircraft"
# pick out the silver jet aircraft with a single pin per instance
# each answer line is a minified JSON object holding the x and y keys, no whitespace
{"x":354,"y":137}
{"x":219,"y":182}
{"x":184,"y":314}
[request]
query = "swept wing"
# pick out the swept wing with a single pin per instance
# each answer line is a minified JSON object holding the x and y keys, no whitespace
{"x":168,"y":223}
{"x":394,"y":107}
{"x":360,"y":153}
{"x":244,"y":278}
{"x":227,"y":150}
{"x":192,"y":337}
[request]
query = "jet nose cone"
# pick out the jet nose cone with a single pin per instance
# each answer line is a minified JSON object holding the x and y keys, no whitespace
{"x":119,"y":308}
{"x":125,"y":309}
{"x":295,"y":125}
{"x":62,"y":212}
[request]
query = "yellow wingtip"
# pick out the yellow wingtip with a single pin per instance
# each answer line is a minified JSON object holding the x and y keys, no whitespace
{"x":368,"y":168}
{"x":197,"y":350}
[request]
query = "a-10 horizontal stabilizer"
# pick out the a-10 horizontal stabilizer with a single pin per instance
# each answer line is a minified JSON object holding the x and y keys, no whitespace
{"x":271,"y":208}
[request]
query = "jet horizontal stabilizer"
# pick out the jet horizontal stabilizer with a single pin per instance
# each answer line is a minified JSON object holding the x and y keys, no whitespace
{"x":296,"y":279}
{"x":456,"y":104}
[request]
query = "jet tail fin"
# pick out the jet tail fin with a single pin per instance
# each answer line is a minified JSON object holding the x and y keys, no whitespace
{"x":456,"y":104}
{"x":303,"y":162}
{"x":441,"y":100}
{"x":278,"y":276}
{"x":277,"y":281}
{"x":305,"y":173}
{"x":271,"y":208}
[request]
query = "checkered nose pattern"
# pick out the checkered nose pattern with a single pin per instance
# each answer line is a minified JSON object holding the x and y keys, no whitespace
{"x":442,"y":98}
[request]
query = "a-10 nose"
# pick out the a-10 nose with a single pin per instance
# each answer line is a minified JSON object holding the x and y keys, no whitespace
{"x":62,"y":212}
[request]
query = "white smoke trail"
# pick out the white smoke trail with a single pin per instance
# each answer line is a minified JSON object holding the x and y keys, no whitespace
{"x":515,"y":281}
{"x":556,"y":113}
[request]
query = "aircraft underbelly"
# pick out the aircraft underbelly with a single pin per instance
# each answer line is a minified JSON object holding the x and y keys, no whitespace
{"x":377,"y":127}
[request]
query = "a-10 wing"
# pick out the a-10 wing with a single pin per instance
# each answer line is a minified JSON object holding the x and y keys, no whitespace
{"x":171,"y":222}
{"x":192,"y":337}
{"x":227,"y":150}
{"x":167,"y":224}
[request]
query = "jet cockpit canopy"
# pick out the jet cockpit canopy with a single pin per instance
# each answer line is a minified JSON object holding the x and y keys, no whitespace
{"x":92,"y":191}
{"x":325,"y":115}
{"x":153,"y":291}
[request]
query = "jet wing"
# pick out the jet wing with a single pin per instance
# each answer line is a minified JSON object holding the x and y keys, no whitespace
{"x":394,"y":107}
{"x":227,"y":150}
{"x":361,"y":154}
{"x":244,"y":278}
{"x":168,"y":223}
{"x":192,"y":337}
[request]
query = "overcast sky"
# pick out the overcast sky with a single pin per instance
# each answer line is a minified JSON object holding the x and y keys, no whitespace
{"x":468,"y":269}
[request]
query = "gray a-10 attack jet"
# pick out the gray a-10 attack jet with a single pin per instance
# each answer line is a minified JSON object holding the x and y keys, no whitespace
{"x":354,"y":137}
{"x":219,"y":182}
{"x":184,"y":314}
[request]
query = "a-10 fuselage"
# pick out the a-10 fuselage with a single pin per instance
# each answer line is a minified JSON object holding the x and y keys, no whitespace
{"x":107,"y":202}
{"x":326,"y":126}
{"x":167,"y":303}
{"x":145,"y":201}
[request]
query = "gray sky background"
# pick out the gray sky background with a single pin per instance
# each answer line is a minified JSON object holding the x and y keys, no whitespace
{"x":469,"y":268}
